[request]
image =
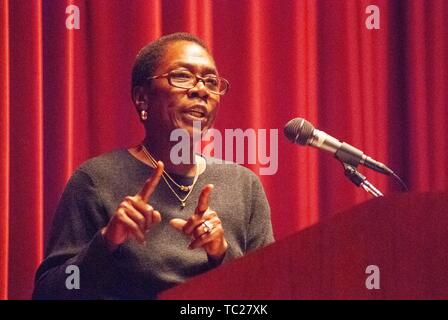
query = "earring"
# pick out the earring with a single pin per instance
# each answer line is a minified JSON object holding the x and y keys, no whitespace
{"x":144,"y":115}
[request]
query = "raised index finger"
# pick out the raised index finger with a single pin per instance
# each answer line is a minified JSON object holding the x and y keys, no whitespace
{"x":151,"y":184}
{"x":203,"y":199}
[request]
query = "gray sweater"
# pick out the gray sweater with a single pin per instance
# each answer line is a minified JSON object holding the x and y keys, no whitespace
{"x":136,"y":271}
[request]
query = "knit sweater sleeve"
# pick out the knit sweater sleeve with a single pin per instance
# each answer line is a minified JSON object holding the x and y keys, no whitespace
{"x":259,"y":232}
{"x":259,"y":227}
{"x":76,"y":244}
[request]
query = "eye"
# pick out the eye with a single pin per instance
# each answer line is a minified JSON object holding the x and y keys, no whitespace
{"x":212,"y":81}
{"x":182,"y":76}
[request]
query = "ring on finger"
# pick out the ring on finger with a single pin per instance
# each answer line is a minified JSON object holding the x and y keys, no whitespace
{"x":208,"y":226}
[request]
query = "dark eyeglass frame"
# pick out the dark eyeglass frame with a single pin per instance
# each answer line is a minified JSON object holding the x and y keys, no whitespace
{"x":197,"y":79}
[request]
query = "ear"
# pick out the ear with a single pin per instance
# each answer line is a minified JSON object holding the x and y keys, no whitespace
{"x":140,"y":98}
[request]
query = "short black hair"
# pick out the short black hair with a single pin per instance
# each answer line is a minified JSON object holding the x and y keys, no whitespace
{"x":149,"y":56}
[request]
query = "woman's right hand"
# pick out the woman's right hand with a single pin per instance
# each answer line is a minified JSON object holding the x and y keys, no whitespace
{"x":134,"y":215}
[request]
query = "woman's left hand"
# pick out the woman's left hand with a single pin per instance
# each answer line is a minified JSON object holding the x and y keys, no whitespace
{"x":205,"y":227}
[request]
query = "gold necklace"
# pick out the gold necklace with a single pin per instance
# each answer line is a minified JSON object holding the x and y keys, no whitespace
{"x":188,"y":189}
{"x":154,"y":162}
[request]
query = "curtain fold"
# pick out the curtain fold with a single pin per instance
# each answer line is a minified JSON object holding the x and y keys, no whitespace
{"x":4,"y":147}
{"x":306,"y":102}
{"x":26,"y":145}
{"x":65,"y":97}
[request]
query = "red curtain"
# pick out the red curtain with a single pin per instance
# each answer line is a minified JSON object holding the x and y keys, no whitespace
{"x":65,"y":97}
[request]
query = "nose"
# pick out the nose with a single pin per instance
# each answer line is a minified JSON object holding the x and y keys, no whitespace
{"x":199,"y":90}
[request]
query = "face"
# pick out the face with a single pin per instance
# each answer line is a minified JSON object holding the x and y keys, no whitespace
{"x":170,"y":107}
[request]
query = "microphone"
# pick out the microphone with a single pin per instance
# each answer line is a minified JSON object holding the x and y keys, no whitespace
{"x":302,"y":132}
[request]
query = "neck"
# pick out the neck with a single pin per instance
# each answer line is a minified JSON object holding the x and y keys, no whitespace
{"x":160,"y":150}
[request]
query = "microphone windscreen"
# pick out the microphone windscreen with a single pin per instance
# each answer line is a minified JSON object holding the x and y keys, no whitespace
{"x":298,"y":130}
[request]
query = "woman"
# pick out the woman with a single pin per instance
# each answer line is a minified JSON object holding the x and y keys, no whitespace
{"x":131,"y":237}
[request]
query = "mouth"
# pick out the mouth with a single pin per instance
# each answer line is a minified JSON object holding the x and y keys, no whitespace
{"x":196,"y":112}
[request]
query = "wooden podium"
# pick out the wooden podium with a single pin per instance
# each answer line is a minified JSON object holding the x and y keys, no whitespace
{"x":405,"y":236}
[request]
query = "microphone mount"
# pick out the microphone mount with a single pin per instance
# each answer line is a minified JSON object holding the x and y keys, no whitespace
{"x":360,"y":180}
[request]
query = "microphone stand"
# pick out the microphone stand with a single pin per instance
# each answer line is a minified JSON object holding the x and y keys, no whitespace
{"x":360,"y":180}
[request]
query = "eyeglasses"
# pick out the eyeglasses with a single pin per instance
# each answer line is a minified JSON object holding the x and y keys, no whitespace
{"x":186,"y":80}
